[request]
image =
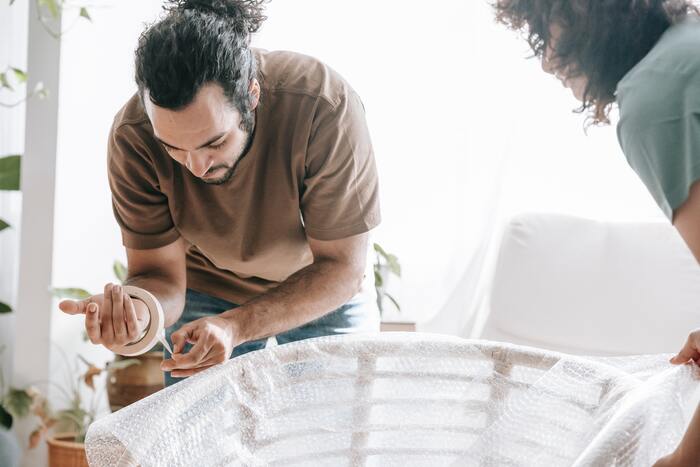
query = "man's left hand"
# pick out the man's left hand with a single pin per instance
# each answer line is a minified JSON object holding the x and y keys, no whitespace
{"x":213,"y":339}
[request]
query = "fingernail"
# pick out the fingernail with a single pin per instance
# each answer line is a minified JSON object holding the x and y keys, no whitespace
{"x":92,"y":308}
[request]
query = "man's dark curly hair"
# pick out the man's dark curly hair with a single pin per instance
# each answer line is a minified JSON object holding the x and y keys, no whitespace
{"x":196,"y":43}
{"x":600,"y":39}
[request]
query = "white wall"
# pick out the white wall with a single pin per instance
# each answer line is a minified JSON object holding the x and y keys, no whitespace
{"x":466,"y":130}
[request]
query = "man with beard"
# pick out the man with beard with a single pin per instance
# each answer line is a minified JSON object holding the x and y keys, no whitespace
{"x":245,"y":186}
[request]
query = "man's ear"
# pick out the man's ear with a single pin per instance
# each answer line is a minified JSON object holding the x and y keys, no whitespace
{"x":254,"y":93}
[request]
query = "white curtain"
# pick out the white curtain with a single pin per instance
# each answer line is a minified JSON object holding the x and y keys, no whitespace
{"x":466,"y":131}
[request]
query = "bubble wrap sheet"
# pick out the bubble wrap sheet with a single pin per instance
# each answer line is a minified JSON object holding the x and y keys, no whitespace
{"x":399,"y":399}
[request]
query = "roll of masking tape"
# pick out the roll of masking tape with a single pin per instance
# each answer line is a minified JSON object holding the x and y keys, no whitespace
{"x":156,"y":326}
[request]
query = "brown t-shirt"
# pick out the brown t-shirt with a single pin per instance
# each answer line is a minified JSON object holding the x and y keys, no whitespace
{"x":310,"y":170}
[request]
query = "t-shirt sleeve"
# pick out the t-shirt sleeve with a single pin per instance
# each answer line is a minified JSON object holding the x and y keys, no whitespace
{"x":140,"y":208}
{"x":660,"y":135}
{"x":340,"y":195}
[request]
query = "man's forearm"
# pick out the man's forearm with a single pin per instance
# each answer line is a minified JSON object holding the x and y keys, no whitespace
{"x":305,"y":296}
{"x":170,"y":296}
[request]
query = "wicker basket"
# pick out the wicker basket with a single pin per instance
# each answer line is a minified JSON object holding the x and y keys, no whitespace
{"x":128,"y":385}
{"x":64,"y":452}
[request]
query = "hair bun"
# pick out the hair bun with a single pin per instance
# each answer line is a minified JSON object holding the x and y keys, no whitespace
{"x":245,"y":15}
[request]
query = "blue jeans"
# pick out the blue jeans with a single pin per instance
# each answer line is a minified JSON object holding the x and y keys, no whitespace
{"x":358,"y":315}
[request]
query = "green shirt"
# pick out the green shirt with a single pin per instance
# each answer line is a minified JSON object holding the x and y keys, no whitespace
{"x":659,"y":128}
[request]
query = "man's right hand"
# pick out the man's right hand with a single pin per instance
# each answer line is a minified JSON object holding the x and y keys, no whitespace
{"x":112,"y":318}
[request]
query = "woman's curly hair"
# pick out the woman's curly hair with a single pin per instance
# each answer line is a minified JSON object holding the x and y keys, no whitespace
{"x":200,"y":42}
{"x":600,"y":39}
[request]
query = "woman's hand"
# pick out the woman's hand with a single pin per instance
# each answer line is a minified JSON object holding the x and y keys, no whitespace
{"x":690,"y":351}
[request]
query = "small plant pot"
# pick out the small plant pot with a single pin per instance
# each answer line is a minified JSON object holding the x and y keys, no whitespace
{"x":65,"y":452}
{"x":128,"y":385}
{"x":398,"y":326}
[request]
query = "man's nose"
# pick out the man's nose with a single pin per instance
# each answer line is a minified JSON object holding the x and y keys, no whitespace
{"x":198,"y":165}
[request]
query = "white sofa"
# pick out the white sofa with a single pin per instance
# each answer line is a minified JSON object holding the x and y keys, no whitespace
{"x":593,"y":288}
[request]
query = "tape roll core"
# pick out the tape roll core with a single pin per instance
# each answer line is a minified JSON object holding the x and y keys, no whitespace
{"x":155,"y":326}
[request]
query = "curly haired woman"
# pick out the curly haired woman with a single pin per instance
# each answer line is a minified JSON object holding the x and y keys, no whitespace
{"x":644,"y":56}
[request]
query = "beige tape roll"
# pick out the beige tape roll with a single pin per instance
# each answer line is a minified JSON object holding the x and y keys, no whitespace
{"x":155,"y":325}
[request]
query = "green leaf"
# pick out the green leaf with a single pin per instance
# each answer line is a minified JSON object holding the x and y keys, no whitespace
{"x":84,"y":14}
{"x":9,"y":172}
{"x":120,"y":271}
{"x":17,"y":402}
{"x":391,"y":260}
{"x":4,"y":308}
{"x":5,"y":418}
{"x":40,"y":91}
{"x":394,"y":265}
{"x":3,"y":225}
{"x":70,"y":292}
{"x":378,"y":248}
{"x":4,"y":83}
{"x":72,"y":419}
{"x":378,"y":279}
{"x":52,"y":6}
{"x":20,"y":75}
{"x":393,"y":300}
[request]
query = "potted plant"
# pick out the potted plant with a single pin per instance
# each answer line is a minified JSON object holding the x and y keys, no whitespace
{"x":126,"y":384}
{"x":65,"y":429}
{"x":387,"y":265}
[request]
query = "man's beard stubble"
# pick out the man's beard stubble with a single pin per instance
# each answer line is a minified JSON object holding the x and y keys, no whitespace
{"x":232,"y":169}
